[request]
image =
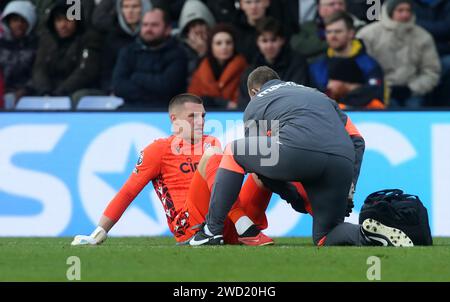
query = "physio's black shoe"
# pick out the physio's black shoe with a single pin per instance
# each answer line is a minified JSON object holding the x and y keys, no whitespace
{"x":381,"y":234}
{"x":201,"y":238}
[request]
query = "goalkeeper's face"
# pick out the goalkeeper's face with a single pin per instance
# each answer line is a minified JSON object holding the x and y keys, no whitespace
{"x":188,"y":121}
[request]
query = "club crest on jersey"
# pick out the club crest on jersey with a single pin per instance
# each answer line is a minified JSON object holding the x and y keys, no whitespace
{"x":206,"y":146}
{"x":140,"y":159}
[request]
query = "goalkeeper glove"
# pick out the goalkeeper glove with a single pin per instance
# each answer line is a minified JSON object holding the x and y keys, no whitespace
{"x":97,"y":237}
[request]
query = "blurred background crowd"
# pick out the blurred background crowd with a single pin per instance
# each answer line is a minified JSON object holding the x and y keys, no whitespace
{"x":146,"y":51}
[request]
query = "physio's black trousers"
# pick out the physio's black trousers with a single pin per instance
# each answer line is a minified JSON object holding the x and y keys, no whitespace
{"x":326,"y":178}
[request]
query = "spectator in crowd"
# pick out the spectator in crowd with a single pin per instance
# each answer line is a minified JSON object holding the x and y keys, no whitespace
{"x":405,"y":51}
{"x":311,"y":41}
{"x":68,"y":55}
{"x":347,"y":73}
{"x":434,"y":16}
{"x":276,"y":53}
{"x":195,"y":22}
{"x":153,"y":69}
{"x":217,"y":78}
{"x":250,"y":12}
{"x":105,"y":15}
{"x":224,"y":11}
{"x":18,"y":46}
{"x":44,"y":7}
{"x":124,"y":31}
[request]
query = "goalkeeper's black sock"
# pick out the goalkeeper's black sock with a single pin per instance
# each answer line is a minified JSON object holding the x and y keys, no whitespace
{"x":252,"y":231}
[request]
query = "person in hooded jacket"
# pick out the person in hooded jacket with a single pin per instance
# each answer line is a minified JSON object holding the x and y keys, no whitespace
{"x":195,"y":22}
{"x":18,"y":45}
{"x":44,"y":8}
{"x":122,"y":33}
{"x":67,"y":57}
{"x":406,"y":52}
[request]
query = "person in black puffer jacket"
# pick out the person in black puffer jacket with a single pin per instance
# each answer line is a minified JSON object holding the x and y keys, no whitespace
{"x":68,"y":55}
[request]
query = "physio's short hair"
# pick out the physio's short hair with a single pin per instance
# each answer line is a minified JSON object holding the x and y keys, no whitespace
{"x":260,"y":76}
{"x":184,"y":98}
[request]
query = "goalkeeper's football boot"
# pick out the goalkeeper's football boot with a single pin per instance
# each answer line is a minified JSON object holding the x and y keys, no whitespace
{"x":254,"y":237}
{"x":259,"y":240}
{"x":381,"y":234}
{"x":201,"y":238}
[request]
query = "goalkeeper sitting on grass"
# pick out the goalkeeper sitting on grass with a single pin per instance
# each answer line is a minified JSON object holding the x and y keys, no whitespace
{"x":182,"y":169}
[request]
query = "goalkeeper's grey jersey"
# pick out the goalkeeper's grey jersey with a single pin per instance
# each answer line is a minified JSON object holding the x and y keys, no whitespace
{"x":307,"y":118}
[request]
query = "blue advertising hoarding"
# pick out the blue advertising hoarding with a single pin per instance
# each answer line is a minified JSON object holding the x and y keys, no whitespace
{"x":58,"y":171}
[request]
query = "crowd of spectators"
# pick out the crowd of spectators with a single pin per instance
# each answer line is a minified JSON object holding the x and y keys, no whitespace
{"x":147,"y":51}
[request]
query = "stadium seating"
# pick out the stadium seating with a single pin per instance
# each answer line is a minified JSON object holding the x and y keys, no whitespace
{"x":99,"y":103}
{"x":44,"y":103}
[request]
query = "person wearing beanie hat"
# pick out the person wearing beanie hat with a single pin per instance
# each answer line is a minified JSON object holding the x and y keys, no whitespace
{"x":406,"y":52}
{"x":347,"y":73}
{"x":18,"y":45}
{"x":391,"y":5}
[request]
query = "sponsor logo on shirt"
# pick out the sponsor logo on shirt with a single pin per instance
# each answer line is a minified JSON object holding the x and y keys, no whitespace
{"x":188,"y":167}
{"x":275,"y":87}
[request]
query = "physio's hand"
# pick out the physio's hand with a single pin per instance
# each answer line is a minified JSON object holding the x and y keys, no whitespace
{"x":350,"y":203}
{"x":97,"y":237}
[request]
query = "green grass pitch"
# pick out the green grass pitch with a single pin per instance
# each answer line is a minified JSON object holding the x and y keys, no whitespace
{"x":158,"y":259}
